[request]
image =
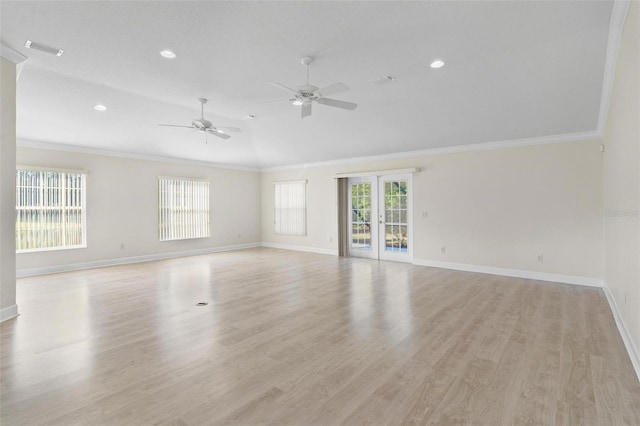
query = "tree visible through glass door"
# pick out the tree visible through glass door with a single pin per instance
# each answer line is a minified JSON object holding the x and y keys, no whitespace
{"x":395,"y":216}
{"x":361,"y":215}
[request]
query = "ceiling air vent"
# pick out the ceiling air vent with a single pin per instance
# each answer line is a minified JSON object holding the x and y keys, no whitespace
{"x":383,"y":80}
{"x":43,"y":48}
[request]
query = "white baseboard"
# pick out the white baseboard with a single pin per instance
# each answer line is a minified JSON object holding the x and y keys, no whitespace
{"x":301,"y":248}
{"x":622,"y":329}
{"x":125,"y":260}
{"x":518,"y":273}
{"x":8,"y":312}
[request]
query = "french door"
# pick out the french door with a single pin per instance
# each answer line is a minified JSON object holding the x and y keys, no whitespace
{"x":380,"y":221}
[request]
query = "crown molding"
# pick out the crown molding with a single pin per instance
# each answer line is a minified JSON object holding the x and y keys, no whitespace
{"x":14,"y":56}
{"x":616,"y":25}
{"x":543,"y":140}
{"x":11,"y":54}
{"x":26,"y":143}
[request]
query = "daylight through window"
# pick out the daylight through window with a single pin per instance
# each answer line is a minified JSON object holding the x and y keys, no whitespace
{"x":290,"y":208}
{"x":50,"y":210}
{"x":183,"y":208}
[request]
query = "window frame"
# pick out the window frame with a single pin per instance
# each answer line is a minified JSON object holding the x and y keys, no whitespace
{"x":206,"y":204}
{"x":278,"y":230}
{"x":83,"y":206}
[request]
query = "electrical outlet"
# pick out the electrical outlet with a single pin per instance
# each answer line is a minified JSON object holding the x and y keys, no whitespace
{"x":121,"y":246}
{"x":425,"y":214}
{"x":330,"y":239}
{"x":443,"y":249}
{"x":540,"y":258}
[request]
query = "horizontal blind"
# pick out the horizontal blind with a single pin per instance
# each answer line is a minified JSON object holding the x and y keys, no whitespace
{"x":290,"y":208}
{"x":183,"y":208}
{"x":50,"y":210}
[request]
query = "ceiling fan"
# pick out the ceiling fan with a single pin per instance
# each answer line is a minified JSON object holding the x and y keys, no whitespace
{"x":306,"y":94}
{"x":205,"y":126}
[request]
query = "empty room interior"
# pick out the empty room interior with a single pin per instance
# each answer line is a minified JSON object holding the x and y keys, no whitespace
{"x":320,"y":213}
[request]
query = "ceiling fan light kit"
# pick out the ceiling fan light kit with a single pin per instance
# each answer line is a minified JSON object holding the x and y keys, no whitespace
{"x":305,"y":95}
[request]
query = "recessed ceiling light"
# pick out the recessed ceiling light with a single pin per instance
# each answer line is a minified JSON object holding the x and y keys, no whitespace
{"x":100,"y":107}
{"x":438,"y":63}
{"x":169,"y":54}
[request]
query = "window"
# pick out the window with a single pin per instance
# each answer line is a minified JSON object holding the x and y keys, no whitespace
{"x":183,"y":208}
{"x":290,"y":208}
{"x":50,"y":209}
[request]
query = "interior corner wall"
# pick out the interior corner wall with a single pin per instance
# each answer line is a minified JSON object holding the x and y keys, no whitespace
{"x":497,"y":208}
{"x":7,"y":189}
{"x":622,"y":179}
{"x":122,"y":210}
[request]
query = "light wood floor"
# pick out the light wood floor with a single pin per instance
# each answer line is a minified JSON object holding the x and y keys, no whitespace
{"x":307,"y":339}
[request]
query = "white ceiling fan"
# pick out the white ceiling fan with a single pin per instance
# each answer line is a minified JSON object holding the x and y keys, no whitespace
{"x":205,"y":126}
{"x":306,"y":94}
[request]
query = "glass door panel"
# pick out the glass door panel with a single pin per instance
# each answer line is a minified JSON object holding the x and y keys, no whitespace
{"x":394,"y":203}
{"x":363,"y":207}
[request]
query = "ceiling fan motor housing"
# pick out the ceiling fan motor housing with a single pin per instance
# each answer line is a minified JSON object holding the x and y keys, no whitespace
{"x":201,"y":123}
{"x":307,"y":92}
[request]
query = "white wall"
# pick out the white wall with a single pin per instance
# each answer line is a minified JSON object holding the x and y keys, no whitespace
{"x":497,"y":208}
{"x":7,"y":189}
{"x":122,"y":208}
{"x":622,"y":179}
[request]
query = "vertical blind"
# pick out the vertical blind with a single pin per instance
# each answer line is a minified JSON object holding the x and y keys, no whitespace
{"x":50,"y":209}
{"x":183,"y":208}
{"x":290,"y":208}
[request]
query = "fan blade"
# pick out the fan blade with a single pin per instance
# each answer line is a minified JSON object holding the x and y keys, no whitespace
{"x":283,"y":87}
{"x":333,"y":89}
{"x":276,"y":100}
{"x":229,"y":129}
{"x":306,"y":109}
{"x":175,"y":125}
{"x":337,"y":103}
{"x":220,"y":135}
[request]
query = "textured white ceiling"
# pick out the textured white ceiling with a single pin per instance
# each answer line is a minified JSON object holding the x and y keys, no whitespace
{"x":513,"y":70}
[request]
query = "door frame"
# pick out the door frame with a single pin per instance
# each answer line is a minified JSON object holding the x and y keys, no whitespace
{"x":382,"y":253}
{"x":378,"y":235}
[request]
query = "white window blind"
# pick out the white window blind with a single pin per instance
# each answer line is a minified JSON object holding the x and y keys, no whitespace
{"x":50,"y":209}
{"x":183,"y":208}
{"x":290,"y":208}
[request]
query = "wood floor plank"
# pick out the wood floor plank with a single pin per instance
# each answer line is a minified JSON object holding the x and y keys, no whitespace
{"x":291,"y":338}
